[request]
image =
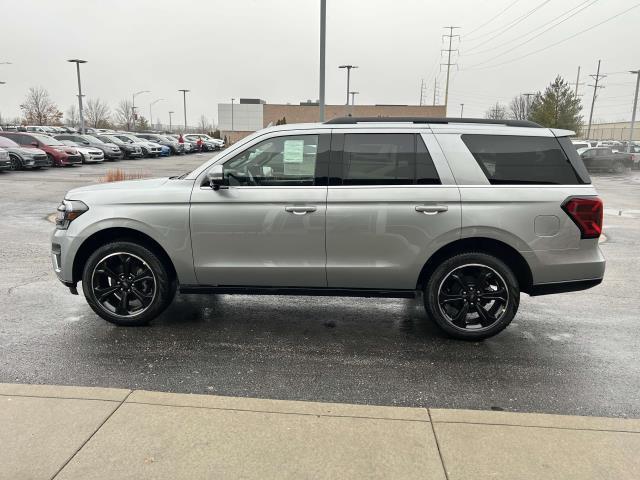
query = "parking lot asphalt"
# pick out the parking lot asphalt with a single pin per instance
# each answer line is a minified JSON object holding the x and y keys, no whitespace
{"x":574,"y":353}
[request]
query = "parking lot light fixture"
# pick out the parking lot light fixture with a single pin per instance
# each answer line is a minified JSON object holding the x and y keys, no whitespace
{"x":348,"y":67}
{"x":150,"y":111}
{"x":78,"y":62}
{"x":133,"y":107}
{"x":184,"y":106}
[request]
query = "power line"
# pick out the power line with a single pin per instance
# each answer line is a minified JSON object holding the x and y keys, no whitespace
{"x":560,"y":41}
{"x":570,"y":14}
{"x":493,"y":18}
{"x":513,"y":24}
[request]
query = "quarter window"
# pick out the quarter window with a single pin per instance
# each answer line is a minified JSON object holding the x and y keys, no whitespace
{"x":513,"y":160}
{"x":278,"y":161}
{"x":387,"y":159}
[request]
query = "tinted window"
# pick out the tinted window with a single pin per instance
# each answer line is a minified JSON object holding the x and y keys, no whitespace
{"x":386,"y":159}
{"x":7,"y":142}
{"x":277,"y":161}
{"x":512,"y":160}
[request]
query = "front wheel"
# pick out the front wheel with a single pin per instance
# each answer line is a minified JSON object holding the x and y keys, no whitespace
{"x":127,"y":284}
{"x":15,"y":163}
{"x":472,"y":296}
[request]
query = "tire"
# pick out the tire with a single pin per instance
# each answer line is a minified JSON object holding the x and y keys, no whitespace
{"x":619,"y":167}
{"x":106,"y":273}
{"x":52,"y":163}
{"x":16,"y":164}
{"x":446,"y":297}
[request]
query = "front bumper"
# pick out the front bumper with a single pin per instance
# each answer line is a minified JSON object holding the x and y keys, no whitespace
{"x":72,"y":160}
{"x":5,"y":164}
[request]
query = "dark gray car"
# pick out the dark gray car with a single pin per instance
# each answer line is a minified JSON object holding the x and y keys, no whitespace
{"x":111,"y":150}
{"x":170,"y":142}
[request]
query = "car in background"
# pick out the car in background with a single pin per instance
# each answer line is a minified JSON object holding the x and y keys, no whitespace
{"x":58,"y":153}
{"x":170,"y":142}
{"x":36,"y":129}
{"x":209,"y":144}
{"x":5,"y":161}
{"x":21,"y":158}
{"x":89,"y":154}
{"x":634,"y":150}
{"x":111,"y":150}
{"x":605,"y":159}
{"x":129,"y":150}
{"x":15,"y":128}
{"x":148,"y":149}
{"x":580,"y":144}
{"x":165,"y":151}
{"x":188,"y":145}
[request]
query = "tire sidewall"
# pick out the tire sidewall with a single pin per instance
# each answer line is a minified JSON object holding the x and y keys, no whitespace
{"x":163,"y":282}
{"x":438,"y":275}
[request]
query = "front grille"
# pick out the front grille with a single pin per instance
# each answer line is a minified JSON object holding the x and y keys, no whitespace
{"x":74,"y":159}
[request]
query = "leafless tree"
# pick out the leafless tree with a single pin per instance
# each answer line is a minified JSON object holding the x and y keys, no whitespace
{"x":39,"y":109}
{"x":203,"y":125}
{"x":518,"y":108}
{"x":124,"y":115}
{"x":72,"y":119}
{"x":497,"y":112}
{"x":97,"y":113}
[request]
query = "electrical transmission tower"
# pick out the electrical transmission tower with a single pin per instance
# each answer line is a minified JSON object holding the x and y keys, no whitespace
{"x":597,"y":78}
{"x":423,"y":92}
{"x":450,"y":36}
{"x":436,"y":92}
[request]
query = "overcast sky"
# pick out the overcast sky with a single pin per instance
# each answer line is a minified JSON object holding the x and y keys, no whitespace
{"x":269,"y":49}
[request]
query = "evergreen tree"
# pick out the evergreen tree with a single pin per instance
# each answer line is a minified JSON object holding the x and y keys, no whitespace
{"x":557,"y":107}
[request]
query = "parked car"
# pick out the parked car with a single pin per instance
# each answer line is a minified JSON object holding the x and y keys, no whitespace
{"x":165,"y":151}
{"x":580,"y":144}
{"x":170,"y":142}
{"x":188,"y":145}
{"x":111,"y":150}
{"x":5,"y":161}
{"x":604,"y":158}
{"x":21,"y":158}
{"x":36,"y":129}
{"x":208,"y":143}
{"x":58,"y":154}
{"x":149,"y":149}
{"x":89,"y":154}
{"x":380,"y":208}
{"x":129,"y":150}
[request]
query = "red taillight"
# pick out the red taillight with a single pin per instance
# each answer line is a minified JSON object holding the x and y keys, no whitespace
{"x":586,"y":213}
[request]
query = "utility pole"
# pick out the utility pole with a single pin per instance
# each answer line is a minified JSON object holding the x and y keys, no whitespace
{"x":450,"y":36}
{"x":184,"y":106}
{"x":423,"y":91}
{"x":435,"y":90}
{"x":348,"y":67}
{"x":578,"y":82}
{"x":461,"y":110}
{"x":635,"y":106}
{"x":323,"y":39}
{"x":232,"y":100}
{"x":170,"y":125}
{"x":528,"y":103}
{"x":597,"y":78}
{"x":78,"y":62}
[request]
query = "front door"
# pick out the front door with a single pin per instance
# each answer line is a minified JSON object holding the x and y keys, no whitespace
{"x":388,"y":209}
{"x":268,"y":227}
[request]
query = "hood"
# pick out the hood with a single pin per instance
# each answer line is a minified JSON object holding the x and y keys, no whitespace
{"x":70,"y":150}
{"x":137,"y":185}
{"x":26,"y":151}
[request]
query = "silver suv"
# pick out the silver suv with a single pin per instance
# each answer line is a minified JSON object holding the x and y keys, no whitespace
{"x":470,"y":213}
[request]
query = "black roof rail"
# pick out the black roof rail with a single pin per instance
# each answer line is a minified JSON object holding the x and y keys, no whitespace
{"x":441,"y":120}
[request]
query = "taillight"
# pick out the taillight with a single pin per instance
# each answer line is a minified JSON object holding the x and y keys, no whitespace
{"x":586,"y":213}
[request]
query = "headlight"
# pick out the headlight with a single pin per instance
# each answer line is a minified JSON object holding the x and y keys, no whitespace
{"x":68,"y":211}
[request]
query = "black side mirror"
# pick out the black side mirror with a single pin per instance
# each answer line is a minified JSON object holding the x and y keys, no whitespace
{"x":215,"y":177}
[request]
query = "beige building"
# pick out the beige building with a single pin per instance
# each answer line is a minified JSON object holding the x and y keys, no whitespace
{"x":612,"y":131}
{"x":241,"y":119}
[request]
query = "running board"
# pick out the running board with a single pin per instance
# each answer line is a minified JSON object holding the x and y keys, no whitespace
{"x":329,"y":292}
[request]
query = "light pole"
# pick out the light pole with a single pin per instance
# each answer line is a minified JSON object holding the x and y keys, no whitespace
{"x":170,"y":129}
{"x":133,"y":107}
{"x":78,"y":62}
{"x":461,"y":110}
{"x":150,"y":114}
{"x":184,"y":106}
{"x":635,"y":106}
{"x":348,"y":67}
{"x":232,"y":100}
{"x":323,"y":38}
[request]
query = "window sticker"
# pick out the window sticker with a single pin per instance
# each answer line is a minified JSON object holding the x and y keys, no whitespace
{"x":293,"y":151}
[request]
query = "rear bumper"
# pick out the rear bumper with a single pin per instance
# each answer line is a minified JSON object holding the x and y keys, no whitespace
{"x":563,"y":287}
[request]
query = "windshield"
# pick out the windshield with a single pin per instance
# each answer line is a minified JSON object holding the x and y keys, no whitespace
{"x":91,"y":139}
{"x":70,"y":143}
{"x":110,"y":139}
{"x":127,"y":138}
{"x":52,"y":142}
{"x":5,"y":142}
{"x":582,"y":150}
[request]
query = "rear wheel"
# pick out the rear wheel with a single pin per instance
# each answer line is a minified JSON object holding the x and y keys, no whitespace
{"x":619,"y":167}
{"x":127,"y":284}
{"x":472,"y":296}
{"x":50,"y":161}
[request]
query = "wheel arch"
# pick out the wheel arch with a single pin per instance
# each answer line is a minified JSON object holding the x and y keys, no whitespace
{"x":494,"y":247}
{"x":113,"y":234}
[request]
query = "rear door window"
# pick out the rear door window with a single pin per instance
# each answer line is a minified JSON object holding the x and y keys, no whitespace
{"x":517,"y":160}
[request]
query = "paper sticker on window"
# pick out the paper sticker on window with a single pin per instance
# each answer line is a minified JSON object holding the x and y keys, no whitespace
{"x":293,"y":151}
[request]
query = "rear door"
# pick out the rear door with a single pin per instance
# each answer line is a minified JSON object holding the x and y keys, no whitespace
{"x":391,"y":203}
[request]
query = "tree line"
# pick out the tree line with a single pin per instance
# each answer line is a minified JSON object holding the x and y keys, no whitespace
{"x":557,"y":107}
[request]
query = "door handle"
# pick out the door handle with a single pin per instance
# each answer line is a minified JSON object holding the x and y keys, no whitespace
{"x":431,"y":209}
{"x":300,"y":210}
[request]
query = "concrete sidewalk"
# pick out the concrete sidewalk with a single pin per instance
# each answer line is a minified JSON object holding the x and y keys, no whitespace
{"x":99,"y":433}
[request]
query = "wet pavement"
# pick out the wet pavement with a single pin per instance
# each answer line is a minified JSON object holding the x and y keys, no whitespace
{"x":575,"y":353}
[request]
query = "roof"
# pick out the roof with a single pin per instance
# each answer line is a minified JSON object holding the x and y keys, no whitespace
{"x":436,"y":120}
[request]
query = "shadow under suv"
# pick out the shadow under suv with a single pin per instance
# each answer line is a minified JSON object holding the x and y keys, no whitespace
{"x":469,"y":213}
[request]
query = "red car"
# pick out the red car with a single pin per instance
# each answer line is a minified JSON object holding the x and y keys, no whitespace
{"x":59,"y":154}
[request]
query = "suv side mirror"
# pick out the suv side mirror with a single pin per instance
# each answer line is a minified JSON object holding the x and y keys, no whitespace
{"x":215,"y":177}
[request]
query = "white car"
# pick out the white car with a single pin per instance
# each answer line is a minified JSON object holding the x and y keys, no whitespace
{"x":89,"y":154}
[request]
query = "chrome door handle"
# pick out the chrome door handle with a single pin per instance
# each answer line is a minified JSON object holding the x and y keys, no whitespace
{"x":300,"y":210}
{"x":431,"y":209}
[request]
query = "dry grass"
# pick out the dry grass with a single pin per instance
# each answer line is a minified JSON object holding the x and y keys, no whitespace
{"x":117,"y":175}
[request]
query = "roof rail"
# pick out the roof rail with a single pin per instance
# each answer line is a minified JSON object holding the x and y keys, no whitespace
{"x":441,"y":120}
